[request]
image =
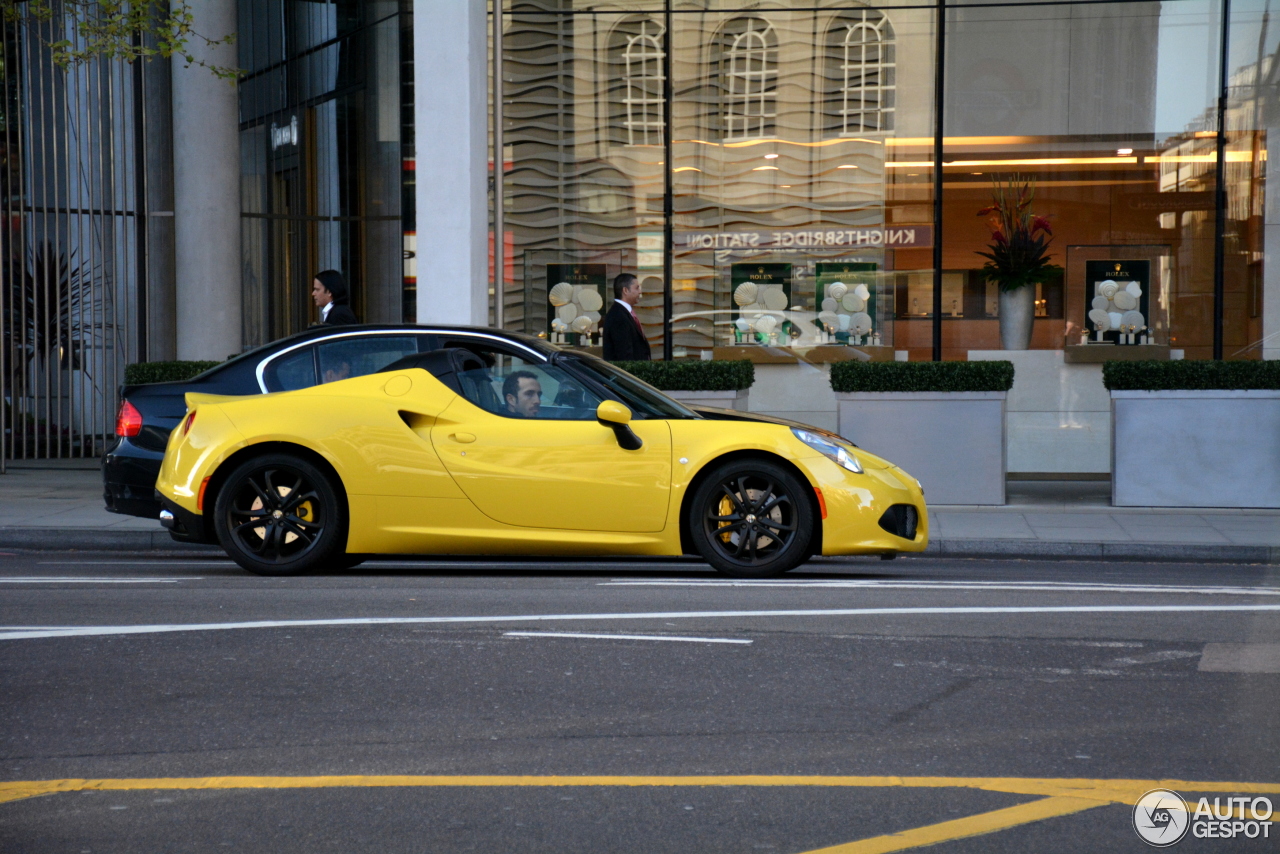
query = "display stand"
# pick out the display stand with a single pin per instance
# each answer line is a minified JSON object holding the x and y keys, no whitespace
{"x":818,"y":355}
{"x":1096,"y":354}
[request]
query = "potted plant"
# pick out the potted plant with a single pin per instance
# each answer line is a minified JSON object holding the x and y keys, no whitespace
{"x":1194,"y":433}
{"x":943,"y":422}
{"x":54,"y":334}
{"x":723,"y":384}
{"x":1019,"y":257}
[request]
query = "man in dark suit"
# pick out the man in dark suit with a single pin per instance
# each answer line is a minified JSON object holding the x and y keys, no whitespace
{"x":330,"y":294}
{"x":624,"y":337}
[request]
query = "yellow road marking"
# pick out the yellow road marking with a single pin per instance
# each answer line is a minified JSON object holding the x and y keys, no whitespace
{"x":974,"y":825}
{"x":1107,"y":791}
{"x":1057,"y":796}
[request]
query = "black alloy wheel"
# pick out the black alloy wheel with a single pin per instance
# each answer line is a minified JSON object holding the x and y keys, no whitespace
{"x":280,"y":515}
{"x":752,"y":519}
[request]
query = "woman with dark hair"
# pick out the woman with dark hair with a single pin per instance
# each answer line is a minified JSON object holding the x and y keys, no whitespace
{"x":330,"y":294}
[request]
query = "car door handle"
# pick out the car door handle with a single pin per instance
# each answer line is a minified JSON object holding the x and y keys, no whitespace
{"x":464,"y":438}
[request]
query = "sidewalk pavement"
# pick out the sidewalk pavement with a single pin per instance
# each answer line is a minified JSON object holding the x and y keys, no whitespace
{"x":57,"y":505}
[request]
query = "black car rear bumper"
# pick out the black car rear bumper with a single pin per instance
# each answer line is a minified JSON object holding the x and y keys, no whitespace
{"x":129,"y":479}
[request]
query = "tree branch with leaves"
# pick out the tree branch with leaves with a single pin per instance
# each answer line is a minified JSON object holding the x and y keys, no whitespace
{"x":116,"y":29}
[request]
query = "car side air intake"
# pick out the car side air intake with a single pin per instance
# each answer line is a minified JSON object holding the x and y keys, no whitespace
{"x":900,"y":520}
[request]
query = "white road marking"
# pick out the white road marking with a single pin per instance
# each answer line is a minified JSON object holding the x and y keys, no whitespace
{"x":618,"y":637}
{"x":33,"y":628}
{"x":1241,"y":658}
{"x":426,"y":563}
{"x":1028,"y":586}
{"x":54,"y":579}
{"x":98,"y":631}
{"x":138,"y":563}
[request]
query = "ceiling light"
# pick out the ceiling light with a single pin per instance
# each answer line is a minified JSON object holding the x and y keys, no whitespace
{"x":763,"y":168}
{"x":1123,"y":152}
{"x":975,"y":173}
{"x":1031,"y":161}
{"x":771,"y":157}
{"x":785,"y":186}
{"x":846,"y":166}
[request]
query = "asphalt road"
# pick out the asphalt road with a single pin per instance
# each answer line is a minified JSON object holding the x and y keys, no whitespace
{"x":179,"y":704}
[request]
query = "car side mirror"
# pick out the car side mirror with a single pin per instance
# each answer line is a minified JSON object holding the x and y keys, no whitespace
{"x":612,"y":414}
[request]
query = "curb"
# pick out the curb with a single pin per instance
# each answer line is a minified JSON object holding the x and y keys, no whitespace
{"x":90,"y":539}
{"x":94,"y":539}
{"x":1046,"y":550}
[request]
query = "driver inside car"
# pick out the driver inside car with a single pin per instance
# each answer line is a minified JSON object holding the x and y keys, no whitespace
{"x":523,"y":394}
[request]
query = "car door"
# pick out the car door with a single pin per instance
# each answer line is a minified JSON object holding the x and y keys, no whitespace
{"x":553,"y":466}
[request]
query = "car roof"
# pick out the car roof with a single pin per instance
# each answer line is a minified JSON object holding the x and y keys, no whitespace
{"x":318,"y":332}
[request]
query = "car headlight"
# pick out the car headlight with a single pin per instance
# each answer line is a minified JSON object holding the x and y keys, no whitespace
{"x":829,"y":449}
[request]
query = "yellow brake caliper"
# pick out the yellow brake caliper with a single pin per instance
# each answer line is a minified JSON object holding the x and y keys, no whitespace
{"x":726,"y":507}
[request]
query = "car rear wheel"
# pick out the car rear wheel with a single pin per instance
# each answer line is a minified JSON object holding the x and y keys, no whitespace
{"x":752,"y":518}
{"x":280,"y":515}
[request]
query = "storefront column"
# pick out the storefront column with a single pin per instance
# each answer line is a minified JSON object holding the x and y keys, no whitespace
{"x":206,"y":193}
{"x":450,"y":83}
{"x":1271,"y":257}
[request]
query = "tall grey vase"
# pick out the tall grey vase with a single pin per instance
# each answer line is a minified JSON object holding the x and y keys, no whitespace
{"x":1017,"y":311}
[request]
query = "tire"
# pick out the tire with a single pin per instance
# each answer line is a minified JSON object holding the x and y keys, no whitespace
{"x":303,"y":519}
{"x":752,"y":519}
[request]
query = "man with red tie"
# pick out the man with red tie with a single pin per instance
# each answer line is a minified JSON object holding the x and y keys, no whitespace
{"x":624,"y":337}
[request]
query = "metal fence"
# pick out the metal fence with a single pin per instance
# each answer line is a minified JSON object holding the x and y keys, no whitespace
{"x":73,"y":249}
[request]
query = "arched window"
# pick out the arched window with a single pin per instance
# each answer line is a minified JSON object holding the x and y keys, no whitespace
{"x":749,"y":78}
{"x":643,"y":115}
{"x":860,"y":47}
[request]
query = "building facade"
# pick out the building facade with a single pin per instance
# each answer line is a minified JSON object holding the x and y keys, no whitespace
{"x":767,"y":169}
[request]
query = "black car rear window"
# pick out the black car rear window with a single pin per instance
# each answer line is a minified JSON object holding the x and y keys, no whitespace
{"x":292,"y":371}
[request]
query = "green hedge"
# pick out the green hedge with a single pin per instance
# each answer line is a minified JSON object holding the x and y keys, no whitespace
{"x":164,"y":372}
{"x":921,"y":376}
{"x":694,"y":374}
{"x":1159,"y":375}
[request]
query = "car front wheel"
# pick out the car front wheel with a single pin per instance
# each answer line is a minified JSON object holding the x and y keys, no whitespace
{"x":752,"y":518}
{"x":280,"y":515}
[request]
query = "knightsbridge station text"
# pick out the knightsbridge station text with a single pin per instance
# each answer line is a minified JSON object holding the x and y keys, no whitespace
{"x":914,"y":236}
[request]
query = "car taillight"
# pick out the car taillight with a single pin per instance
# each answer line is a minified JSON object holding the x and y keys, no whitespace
{"x":188,"y":421}
{"x":128,"y":420}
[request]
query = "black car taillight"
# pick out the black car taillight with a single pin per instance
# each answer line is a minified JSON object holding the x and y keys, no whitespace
{"x":128,"y":420}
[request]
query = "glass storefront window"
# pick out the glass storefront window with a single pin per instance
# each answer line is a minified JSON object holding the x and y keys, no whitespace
{"x":801,"y":146}
{"x":1064,"y":101}
{"x":321,"y":156}
{"x":787,"y":227}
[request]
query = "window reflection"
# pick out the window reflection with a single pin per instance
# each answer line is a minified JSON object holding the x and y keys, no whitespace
{"x":642,"y":76}
{"x":862,"y":45}
{"x":750,"y":79}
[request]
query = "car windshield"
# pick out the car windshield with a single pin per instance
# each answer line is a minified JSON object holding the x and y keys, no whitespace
{"x":640,"y":396}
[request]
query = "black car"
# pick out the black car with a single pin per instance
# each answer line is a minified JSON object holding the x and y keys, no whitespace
{"x":321,"y":354}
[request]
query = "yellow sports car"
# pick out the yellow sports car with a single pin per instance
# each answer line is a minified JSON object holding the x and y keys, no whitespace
{"x":500,"y":444}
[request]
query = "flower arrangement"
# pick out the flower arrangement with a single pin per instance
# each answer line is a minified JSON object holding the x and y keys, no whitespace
{"x":1019,"y":253}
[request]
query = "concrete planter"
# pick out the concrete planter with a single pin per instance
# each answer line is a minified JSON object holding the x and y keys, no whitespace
{"x":1195,"y":448}
{"x":952,"y":441}
{"x":1058,"y":415}
{"x":718,"y":399}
